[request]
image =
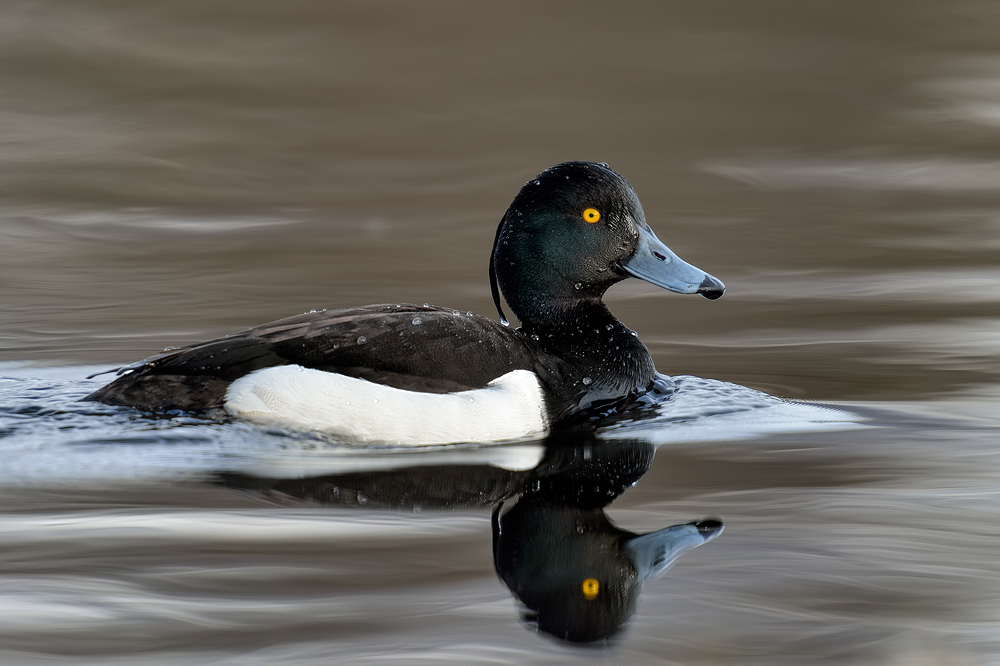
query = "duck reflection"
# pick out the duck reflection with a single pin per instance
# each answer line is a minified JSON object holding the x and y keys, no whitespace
{"x":577,"y":574}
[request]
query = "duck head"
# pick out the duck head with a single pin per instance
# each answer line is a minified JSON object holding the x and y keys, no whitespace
{"x":571,"y":233}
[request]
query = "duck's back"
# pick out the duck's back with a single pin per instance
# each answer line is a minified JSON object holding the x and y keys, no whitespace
{"x":416,"y":348}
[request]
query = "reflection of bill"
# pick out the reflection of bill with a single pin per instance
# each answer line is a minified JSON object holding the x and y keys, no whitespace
{"x":578,"y":574}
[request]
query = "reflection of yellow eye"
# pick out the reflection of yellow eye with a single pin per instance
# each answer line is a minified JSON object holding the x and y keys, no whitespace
{"x":591,"y":215}
{"x":590,"y":585}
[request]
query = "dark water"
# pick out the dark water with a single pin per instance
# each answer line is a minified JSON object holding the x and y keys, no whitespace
{"x":175,"y":173}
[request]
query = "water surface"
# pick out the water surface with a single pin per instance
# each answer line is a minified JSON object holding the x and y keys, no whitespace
{"x":175,"y":173}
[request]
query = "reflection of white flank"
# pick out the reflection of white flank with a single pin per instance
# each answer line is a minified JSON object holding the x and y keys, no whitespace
{"x":290,"y":463}
{"x":291,"y":396}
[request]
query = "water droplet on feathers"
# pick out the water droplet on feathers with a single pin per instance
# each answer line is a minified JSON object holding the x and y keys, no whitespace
{"x":362,"y":340}
{"x":417,"y":321}
{"x":587,"y":381}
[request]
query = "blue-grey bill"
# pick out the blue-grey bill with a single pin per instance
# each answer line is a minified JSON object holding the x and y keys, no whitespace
{"x":657,"y":264}
{"x":655,"y":552}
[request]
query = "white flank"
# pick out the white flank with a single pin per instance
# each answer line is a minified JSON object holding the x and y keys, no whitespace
{"x":291,"y":396}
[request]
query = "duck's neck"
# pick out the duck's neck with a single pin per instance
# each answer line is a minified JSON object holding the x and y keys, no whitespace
{"x":560,"y":314}
{"x":602,"y":355}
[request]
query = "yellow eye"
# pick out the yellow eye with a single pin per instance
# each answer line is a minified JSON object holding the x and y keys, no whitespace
{"x":590,"y":585}
{"x":591,"y":215}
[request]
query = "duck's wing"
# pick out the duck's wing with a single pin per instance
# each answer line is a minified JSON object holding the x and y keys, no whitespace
{"x":411,"y":347}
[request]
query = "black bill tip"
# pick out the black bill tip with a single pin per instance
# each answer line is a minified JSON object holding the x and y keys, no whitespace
{"x":711,"y":288}
{"x":708,"y":527}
